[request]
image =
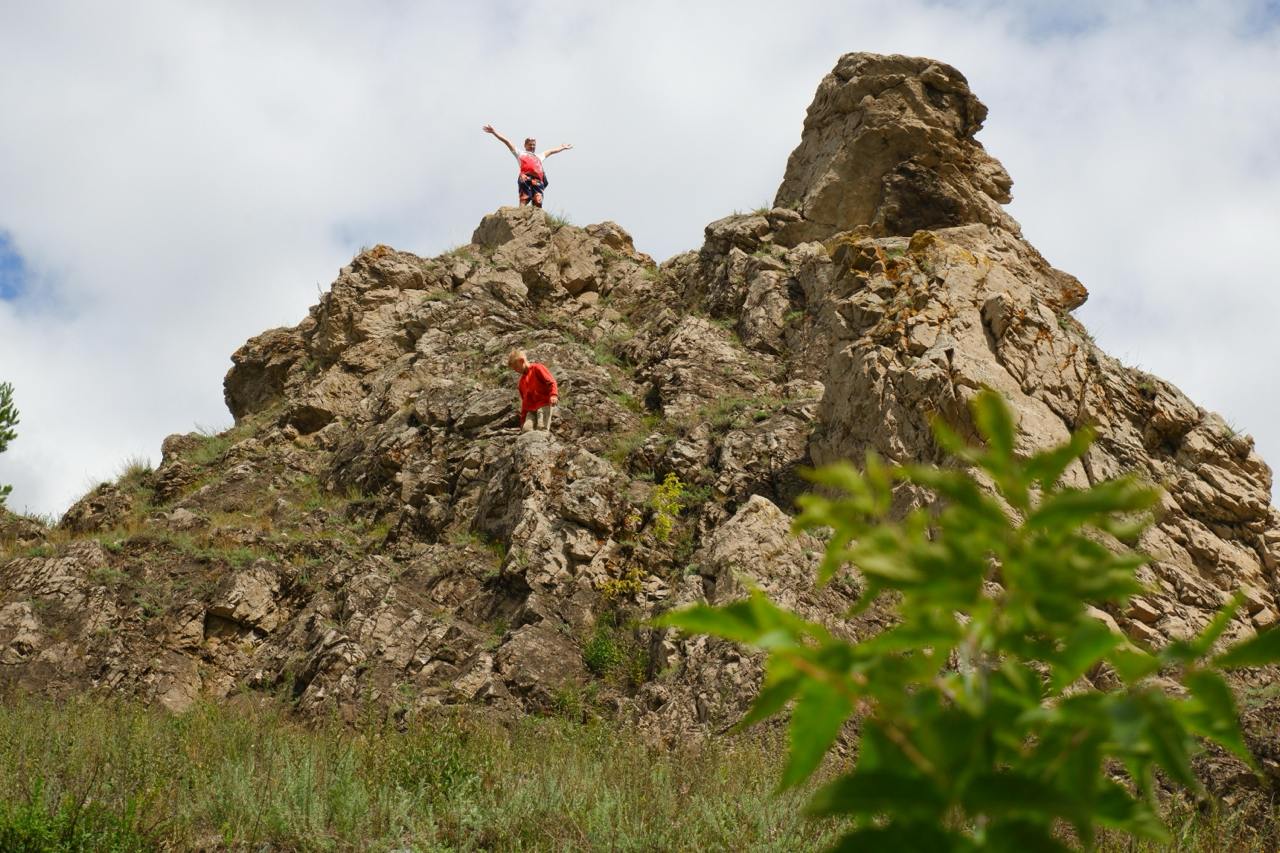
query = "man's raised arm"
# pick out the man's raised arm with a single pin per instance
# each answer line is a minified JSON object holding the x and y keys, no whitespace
{"x":488,"y":128}
{"x":556,"y":150}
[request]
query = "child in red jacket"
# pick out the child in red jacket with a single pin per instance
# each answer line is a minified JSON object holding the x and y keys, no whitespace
{"x":538,"y":392}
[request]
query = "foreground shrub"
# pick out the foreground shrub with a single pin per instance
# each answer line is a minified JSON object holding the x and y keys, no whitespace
{"x":973,"y":733}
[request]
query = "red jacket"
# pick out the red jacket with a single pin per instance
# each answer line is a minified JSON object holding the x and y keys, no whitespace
{"x":537,"y":387}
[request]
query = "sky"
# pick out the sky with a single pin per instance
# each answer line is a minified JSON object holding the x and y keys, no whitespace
{"x":176,"y":177}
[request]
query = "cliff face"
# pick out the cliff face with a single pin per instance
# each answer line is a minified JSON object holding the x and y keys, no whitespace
{"x":376,"y":530}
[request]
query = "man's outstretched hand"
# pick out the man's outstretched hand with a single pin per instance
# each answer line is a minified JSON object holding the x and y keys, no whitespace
{"x":488,"y":128}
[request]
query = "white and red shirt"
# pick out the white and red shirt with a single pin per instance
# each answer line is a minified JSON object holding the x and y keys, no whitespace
{"x":531,"y":164}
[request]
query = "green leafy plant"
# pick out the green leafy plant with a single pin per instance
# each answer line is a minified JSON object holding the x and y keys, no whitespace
{"x":623,"y":588}
{"x":8,"y":420}
{"x":615,"y":652}
{"x":667,"y":501}
{"x":973,"y":730}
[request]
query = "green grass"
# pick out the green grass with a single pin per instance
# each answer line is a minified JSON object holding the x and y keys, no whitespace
{"x":108,"y":775}
{"x":557,"y":220}
{"x":34,"y":827}
{"x":462,"y":537}
{"x":737,"y":412}
{"x":214,"y":444}
{"x":256,"y":780}
{"x":630,"y":441}
{"x":630,"y":402}
{"x":133,"y":469}
{"x":615,"y":653}
{"x":463,"y":251}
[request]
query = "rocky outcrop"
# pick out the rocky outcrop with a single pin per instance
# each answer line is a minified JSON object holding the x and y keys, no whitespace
{"x":889,"y":144}
{"x":375,"y":529}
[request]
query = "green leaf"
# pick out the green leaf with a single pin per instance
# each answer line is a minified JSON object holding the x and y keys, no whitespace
{"x":1117,"y":808}
{"x":1190,"y":651}
{"x":1024,"y":837}
{"x":902,"y":838}
{"x":1256,"y":651}
{"x":1168,"y":741}
{"x":820,"y":711}
{"x":1047,"y":466}
{"x":995,"y":422}
{"x":1212,"y":712}
{"x":1133,"y":664}
{"x":839,"y":475}
{"x":1088,"y":644}
{"x":737,"y":621}
{"x":754,"y":619}
{"x":1011,"y":793}
{"x":876,"y":792}
{"x":961,"y":490}
{"x":771,"y":699}
{"x":1075,"y":507}
{"x":948,"y":439}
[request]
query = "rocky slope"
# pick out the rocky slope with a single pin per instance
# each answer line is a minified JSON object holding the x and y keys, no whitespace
{"x":376,"y":532}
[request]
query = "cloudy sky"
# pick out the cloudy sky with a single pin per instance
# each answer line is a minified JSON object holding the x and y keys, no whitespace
{"x":176,"y":177}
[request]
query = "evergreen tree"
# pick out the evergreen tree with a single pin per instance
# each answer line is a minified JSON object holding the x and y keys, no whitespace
{"x":8,"y":420}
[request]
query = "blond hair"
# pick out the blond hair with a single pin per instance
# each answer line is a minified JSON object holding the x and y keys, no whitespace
{"x":516,"y":355}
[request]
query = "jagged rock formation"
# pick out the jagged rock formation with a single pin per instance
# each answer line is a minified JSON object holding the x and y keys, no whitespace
{"x":889,"y":144}
{"x":375,"y":529}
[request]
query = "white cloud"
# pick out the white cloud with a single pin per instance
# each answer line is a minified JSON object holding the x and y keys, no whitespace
{"x":180,"y":176}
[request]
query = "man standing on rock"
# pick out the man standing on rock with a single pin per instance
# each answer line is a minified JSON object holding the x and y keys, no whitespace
{"x":532,"y":180}
{"x":538,"y":392}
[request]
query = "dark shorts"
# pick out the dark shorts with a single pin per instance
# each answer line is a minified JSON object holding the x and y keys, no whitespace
{"x":530,"y":187}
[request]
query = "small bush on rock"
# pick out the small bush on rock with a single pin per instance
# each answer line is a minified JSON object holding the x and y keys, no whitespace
{"x":974,"y":734}
{"x":667,"y":503}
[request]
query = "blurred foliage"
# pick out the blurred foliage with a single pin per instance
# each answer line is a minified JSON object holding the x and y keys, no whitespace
{"x":974,"y":732}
